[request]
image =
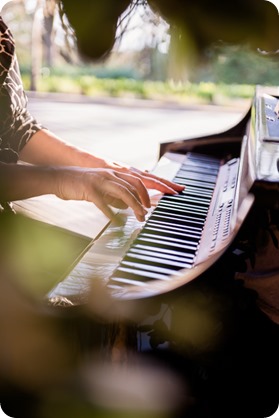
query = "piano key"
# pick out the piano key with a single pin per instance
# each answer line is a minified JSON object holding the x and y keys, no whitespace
{"x":174,"y":227}
{"x":199,"y":185}
{"x":199,"y":168}
{"x":209,"y":165}
{"x":185,"y":204}
{"x":210,"y":179}
{"x":208,"y":172}
{"x":191,"y":209}
{"x":179,"y":218}
{"x":146,"y":267}
{"x":144,"y":258}
{"x":205,"y":201}
{"x":163,"y":254}
{"x":202,"y":157}
{"x":121,"y":280}
{"x":193,"y":191}
{"x":166,"y":242}
{"x":166,"y":232}
{"x":200,"y":182}
{"x":168,"y":252}
{"x":135,"y":274}
{"x":183,"y":214}
{"x":188,"y":198}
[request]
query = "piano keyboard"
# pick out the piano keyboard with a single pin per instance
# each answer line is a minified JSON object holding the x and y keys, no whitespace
{"x":182,"y":236}
{"x":173,"y":238}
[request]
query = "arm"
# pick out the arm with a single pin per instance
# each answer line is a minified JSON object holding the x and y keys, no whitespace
{"x":57,"y":167}
{"x":45,"y":148}
{"x":102,"y":187}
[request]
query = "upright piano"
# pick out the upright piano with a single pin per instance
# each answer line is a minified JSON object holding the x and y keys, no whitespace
{"x":183,"y":234}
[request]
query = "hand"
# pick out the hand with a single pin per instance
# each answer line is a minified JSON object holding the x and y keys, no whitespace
{"x":150,"y":181}
{"x":104,"y":188}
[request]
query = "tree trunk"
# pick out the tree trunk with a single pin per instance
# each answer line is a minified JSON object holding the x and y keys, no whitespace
{"x":36,"y":46}
{"x":49,"y":11}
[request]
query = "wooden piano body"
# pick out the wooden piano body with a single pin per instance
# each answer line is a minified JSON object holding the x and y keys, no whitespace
{"x":106,"y":246}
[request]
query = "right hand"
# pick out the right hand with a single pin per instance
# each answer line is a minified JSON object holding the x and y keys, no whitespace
{"x":104,"y":188}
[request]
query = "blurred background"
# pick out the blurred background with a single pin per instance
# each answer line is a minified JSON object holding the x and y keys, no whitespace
{"x":140,"y":64}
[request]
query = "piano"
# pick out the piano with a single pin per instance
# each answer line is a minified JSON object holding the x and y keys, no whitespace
{"x":185,"y":234}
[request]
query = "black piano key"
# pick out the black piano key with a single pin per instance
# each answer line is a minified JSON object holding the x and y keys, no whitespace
{"x":169,"y":233}
{"x":200,"y":183}
{"x":163,"y":252}
{"x":183,"y":214}
{"x":195,"y":183}
{"x":158,"y":241}
{"x":149,"y":266}
{"x":195,"y":187}
{"x":193,"y":191}
{"x":174,"y":227}
{"x":157,"y":235}
{"x":202,"y":158}
{"x":182,"y":198}
{"x":186,"y":209}
{"x":179,"y":218}
{"x":213,"y":168}
{"x":197,"y":169}
{"x":185,"y":200}
{"x":191,"y":171}
{"x":137,"y":274}
{"x":117,"y":283}
{"x":200,"y":162}
{"x":209,"y":180}
{"x":155,"y":260}
{"x":184,"y":203}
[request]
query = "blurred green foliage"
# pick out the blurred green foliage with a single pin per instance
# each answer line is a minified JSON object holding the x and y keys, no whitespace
{"x":227,"y":73}
{"x":89,"y":85}
{"x":235,"y":64}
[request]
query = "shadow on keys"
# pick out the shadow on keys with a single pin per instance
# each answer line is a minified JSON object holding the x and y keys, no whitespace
{"x":205,"y":350}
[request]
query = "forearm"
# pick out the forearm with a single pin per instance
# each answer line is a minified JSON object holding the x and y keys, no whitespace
{"x":45,"y":148}
{"x":23,"y":181}
{"x":99,"y":186}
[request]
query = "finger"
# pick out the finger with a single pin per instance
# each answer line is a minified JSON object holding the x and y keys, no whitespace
{"x":121,"y":192}
{"x":111,"y":188}
{"x":100,"y":204}
{"x":138,"y":185}
{"x":175,"y":186}
{"x":116,"y":203}
{"x":166,"y":186}
{"x":161,"y":185}
{"x":152,"y":181}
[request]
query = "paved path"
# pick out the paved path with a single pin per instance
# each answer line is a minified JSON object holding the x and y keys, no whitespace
{"x":127,"y":131}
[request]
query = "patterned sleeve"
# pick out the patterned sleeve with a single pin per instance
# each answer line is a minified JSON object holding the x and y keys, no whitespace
{"x":17,"y":125}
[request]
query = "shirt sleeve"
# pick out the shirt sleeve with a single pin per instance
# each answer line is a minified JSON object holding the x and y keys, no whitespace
{"x":17,"y":125}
